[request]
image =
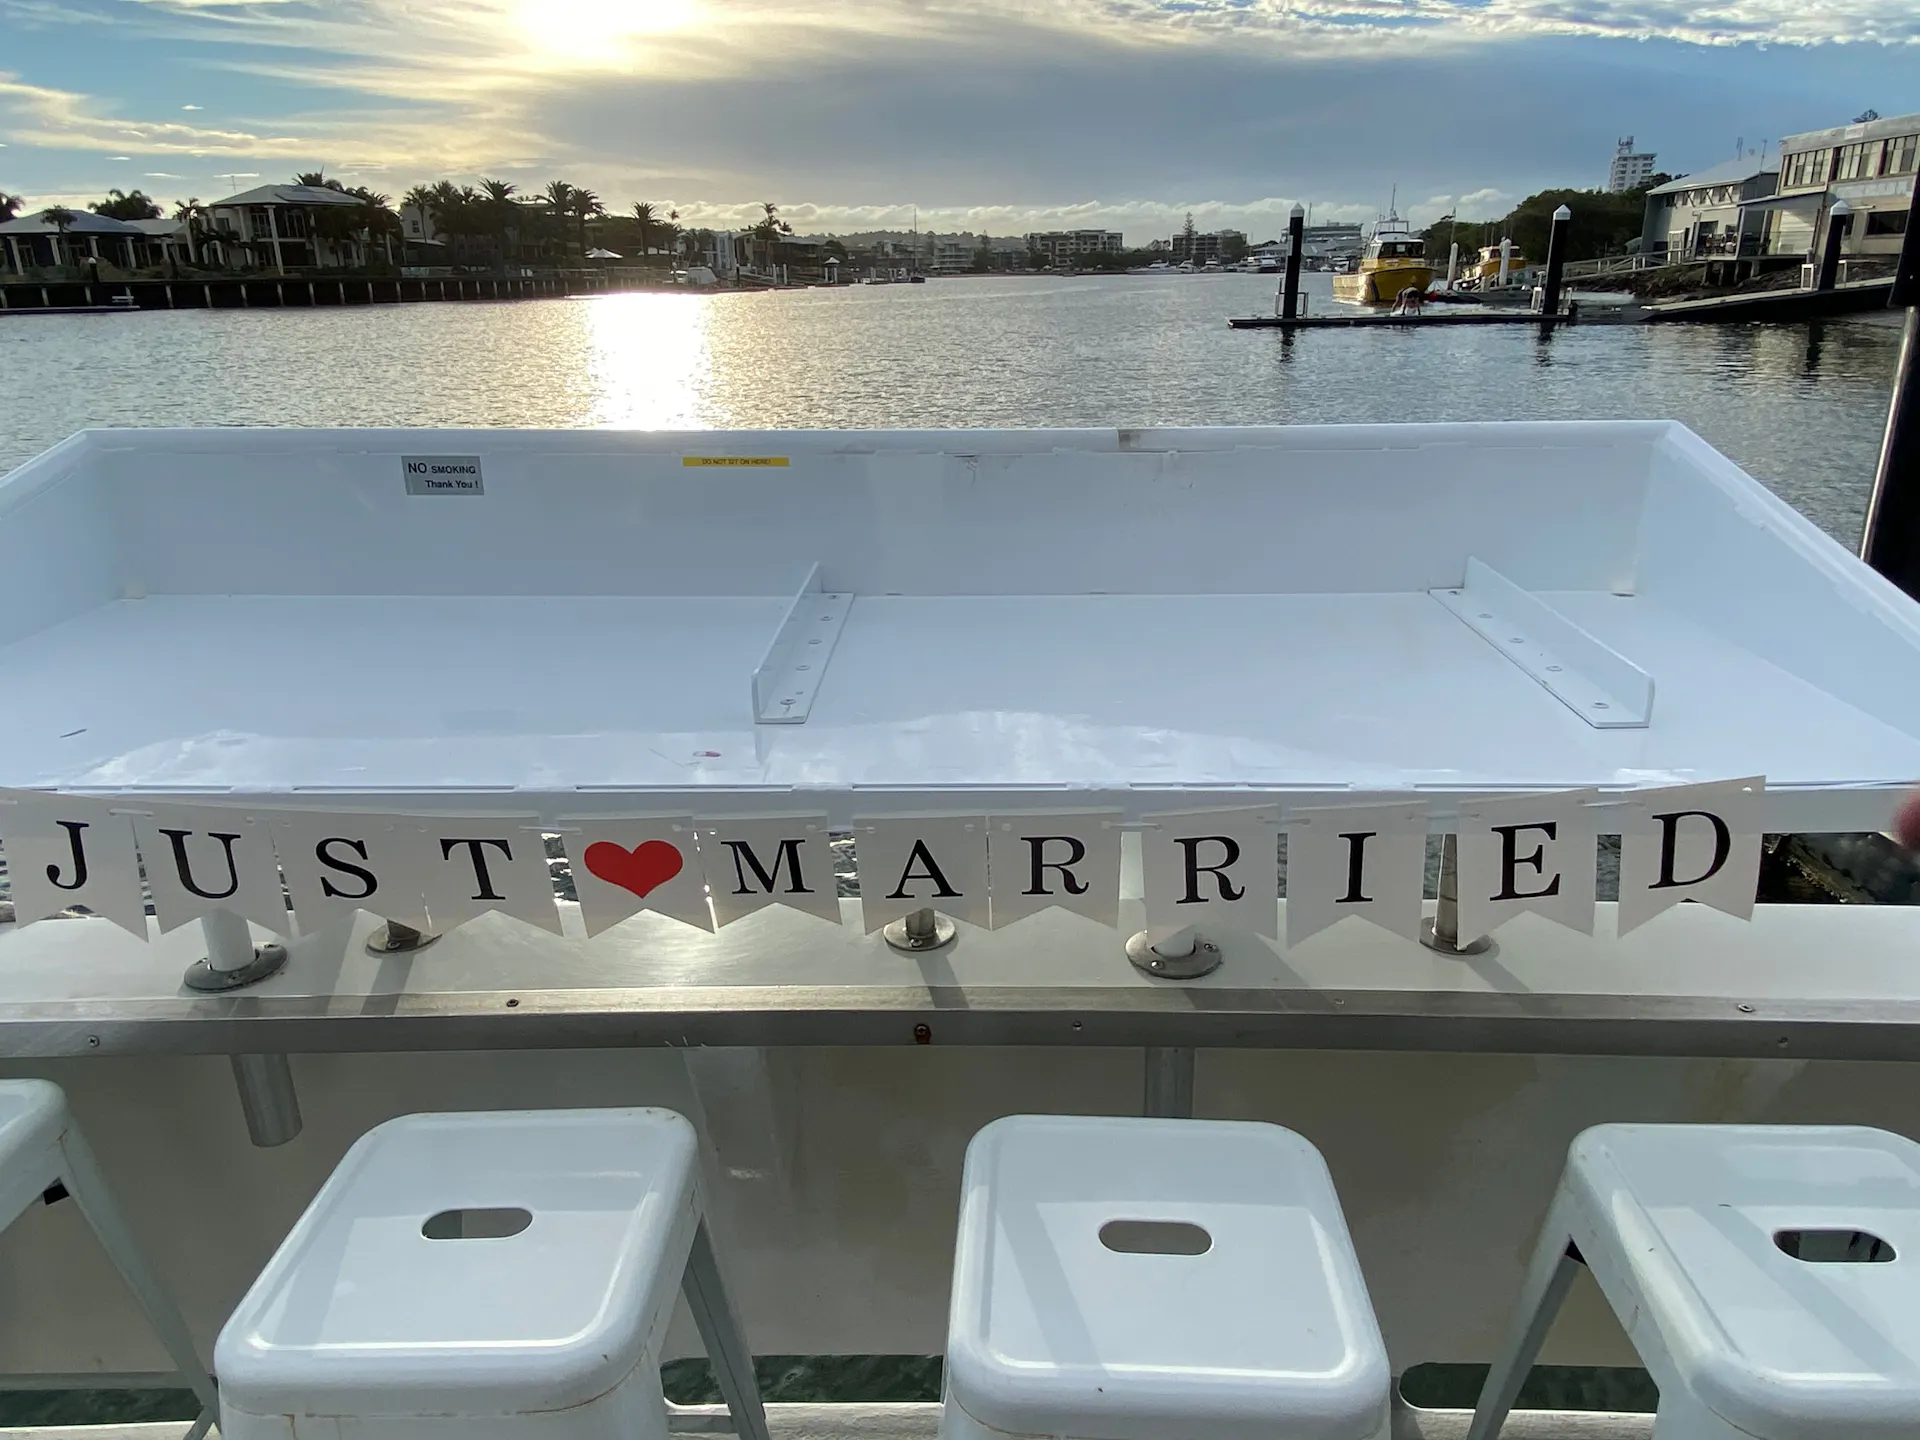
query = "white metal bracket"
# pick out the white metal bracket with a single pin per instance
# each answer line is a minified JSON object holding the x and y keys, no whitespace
{"x":1596,"y":682}
{"x":788,"y":676}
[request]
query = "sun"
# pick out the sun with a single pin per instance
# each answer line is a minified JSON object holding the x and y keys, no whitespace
{"x":597,"y":30}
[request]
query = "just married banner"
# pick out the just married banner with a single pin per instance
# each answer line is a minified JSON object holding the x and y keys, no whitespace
{"x":294,"y":871}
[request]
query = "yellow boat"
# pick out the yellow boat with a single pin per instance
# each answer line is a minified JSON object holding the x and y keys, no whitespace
{"x":1394,"y":260}
{"x":1485,"y":271}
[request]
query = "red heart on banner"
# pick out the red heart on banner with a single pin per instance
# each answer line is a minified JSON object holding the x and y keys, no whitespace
{"x":643,"y":869}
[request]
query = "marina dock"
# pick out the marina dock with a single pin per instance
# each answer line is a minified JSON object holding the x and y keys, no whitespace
{"x":1778,"y":306}
{"x":1766,"y":307}
{"x":1361,"y":320}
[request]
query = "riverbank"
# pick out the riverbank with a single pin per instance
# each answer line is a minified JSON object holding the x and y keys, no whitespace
{"x":271,"y":292}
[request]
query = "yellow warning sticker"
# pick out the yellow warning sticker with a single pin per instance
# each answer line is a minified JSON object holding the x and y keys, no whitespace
{"x":733,"y":460}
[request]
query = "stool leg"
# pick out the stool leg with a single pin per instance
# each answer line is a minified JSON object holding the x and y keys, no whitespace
{"x":720,"y":1332}
{"x":89,"y":1189}
{"x":1555,"y":1263}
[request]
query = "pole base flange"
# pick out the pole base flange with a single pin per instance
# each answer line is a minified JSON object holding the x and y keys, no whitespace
{"x":896,"y":935}
{"x":1203,"y":959}
{"x":267,"y":960}
{"x":1430,"y":939}
{"x":392,"y":939}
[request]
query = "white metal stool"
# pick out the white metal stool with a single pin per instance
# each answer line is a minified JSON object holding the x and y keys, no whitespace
{"x":41,"y":1148}
{"x":505,"y":1274}
{"x":1127,"y":1279}
{"x":1769,"y":1277}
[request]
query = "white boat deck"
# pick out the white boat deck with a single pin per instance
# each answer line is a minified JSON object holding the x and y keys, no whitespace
{"x":1112,"y":693}
{"x":1118,"y":615}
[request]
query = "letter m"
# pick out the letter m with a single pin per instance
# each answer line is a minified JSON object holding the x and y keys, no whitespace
{"x":787,"y":857}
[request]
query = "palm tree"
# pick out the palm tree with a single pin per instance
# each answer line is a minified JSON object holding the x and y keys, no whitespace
{"x":559,"y":199}
{"x":190,"y":212}
{"x":376,"y":219}
{"x":318,"y":181}
{"x":338,"y":226}
{"x":768,"y":233}
{"x":457,"y":212}
{"x":647,"y":218}
{"x":586,"y":205}
{"x":498,"y":197}
{"x":9,"y":206}
{"x":61,"y":219}
{"x":118,"y":205}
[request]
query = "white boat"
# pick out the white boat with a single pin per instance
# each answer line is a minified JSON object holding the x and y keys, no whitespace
{"x":851,"y":629}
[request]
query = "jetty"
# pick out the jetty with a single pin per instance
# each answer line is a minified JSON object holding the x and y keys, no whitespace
{"x":1853,"y":297}
{"x":1363,"y":321}
{"x":273,"y":292}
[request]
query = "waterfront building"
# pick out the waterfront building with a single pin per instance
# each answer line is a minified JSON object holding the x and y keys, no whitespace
{"x":283,"y":226}
{"x":953,"y":254}
{"x":1710,"y":214}
{"x":1631,"y":168}
{"x":1063,"y":247}
{"x":1331,"y":242}
{"x":29,"y":242}
{"x":1869,"y":164}
{"x":1210,"y":246}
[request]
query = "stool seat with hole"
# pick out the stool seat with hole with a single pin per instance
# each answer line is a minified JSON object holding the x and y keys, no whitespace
{"x":505,"y":1274}
{"x":1765,"y":1274}
{"x":1132,"y":1279}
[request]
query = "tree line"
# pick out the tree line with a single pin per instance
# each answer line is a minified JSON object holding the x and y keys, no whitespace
{"x":493,"y":221}
{"x":1604,"y":223}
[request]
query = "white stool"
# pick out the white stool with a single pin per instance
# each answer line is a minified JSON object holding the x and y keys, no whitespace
{"x":41,"y":1147}
{"x":1125,"y":1279}
{"x":1766,"y":1275}
{"x":486,"y":1275}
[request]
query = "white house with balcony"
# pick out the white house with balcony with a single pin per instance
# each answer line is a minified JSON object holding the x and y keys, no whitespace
{"x":283,"y":226}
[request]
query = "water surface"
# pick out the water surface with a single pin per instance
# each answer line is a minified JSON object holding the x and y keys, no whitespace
{"x":1801,"y":407}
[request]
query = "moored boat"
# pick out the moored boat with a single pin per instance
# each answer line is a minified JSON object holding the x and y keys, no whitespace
{"x":1394,"y":260}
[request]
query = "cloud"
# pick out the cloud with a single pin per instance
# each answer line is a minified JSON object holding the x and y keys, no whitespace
{"x":458,"y":45}
{"x":63,"y":119}
{"x":998,"y":115}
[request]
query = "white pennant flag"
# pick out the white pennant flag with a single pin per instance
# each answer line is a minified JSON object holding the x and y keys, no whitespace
{"x":624,"y":866}
{"x":202,"y":858}
{"x":475,"y":864}
{"x":66,"y":850}
{"x":768,"y":860}
{"x":915,"y":863}
{"x":1066,"y":858}
{"x":1689,"y":842}
{"x":1528,"y":854}
{"x":338,"y":863}
{"x":1213,"y":867}
{"x":1364,"y":860}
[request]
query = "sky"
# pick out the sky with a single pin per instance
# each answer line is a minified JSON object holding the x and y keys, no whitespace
{"x":996,"y":115}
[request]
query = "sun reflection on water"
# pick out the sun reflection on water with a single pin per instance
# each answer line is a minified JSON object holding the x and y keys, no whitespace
{"x":650,"y":362}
